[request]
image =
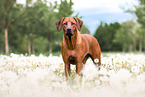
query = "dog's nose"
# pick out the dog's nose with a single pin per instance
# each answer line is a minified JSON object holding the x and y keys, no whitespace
{"x":68,"y":30}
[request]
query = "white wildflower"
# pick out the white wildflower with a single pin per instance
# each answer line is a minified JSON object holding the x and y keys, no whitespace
{"x":135,"y":69}
{"x":103,"y":71}
{"x":96,"y":60}
{"x":111,"y":72}
{"x":121,"y":75}
{"x":90,"y":71}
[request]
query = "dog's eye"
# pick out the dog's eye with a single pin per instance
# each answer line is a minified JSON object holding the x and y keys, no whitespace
{"x":72,"y":23}
{"x":64,"y":23}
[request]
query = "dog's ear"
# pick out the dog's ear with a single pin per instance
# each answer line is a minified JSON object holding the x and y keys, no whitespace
{"x":79,"y":23}
{"x":59,"y":24}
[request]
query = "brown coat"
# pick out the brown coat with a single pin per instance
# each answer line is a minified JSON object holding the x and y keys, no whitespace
{"x":77,"y":47}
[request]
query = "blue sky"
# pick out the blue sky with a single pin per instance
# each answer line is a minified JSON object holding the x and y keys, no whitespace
{"x":92,"y":20}
{"x":110,"y":11}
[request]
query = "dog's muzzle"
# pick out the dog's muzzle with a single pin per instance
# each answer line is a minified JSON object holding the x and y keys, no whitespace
{"x":69,"y":32}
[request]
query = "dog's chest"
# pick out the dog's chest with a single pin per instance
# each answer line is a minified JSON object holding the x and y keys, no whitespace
{"x":71,"y":52}
{"x":72,"y":60}
{"x":72,"y":56}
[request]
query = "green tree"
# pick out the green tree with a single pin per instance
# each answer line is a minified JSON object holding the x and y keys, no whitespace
{"x":140,"y":35}
{"x":34,"y":26}
{"x":105,"y":34}
{"x":126,"y":35}
{"x":85,"y":30}
{"x":49,"y":30}
{"x":10,"y":13}
{"x":32,"y":22}
{"x":47,"y":27}
{"x":1,"y":41}
{"x":65,"y":9}
{"x":140,"y":13}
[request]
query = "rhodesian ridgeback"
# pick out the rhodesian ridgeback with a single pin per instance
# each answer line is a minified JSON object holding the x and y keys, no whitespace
{"x":77,"y":47}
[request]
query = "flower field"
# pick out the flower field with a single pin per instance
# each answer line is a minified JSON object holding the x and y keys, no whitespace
{"x":121,"y":75}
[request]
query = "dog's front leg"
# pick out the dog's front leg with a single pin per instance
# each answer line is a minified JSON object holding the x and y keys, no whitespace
{"x":67,"y":72}
{"x":78,"y":71}
{"x":78,"y":68}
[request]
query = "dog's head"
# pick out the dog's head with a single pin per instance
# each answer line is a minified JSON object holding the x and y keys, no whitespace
{"x":70,"y":25}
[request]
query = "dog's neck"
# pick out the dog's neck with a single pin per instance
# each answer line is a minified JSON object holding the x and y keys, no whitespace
{"x":72,"y":41}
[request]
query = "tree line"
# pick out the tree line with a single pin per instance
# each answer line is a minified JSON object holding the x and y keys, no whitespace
{"x":127,"y":36}
{"x":30,"y":28}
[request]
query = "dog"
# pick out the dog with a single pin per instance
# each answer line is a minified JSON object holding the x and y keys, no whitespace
{"x":76,"y":47}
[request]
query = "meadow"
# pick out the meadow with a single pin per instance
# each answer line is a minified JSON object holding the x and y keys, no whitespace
{"x":121,"y":75}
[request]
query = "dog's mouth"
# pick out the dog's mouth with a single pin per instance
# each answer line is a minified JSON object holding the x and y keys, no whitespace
{"x":69,"y":35}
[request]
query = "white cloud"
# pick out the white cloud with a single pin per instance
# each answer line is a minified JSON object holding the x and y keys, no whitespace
{"x":81,"y":4}
{"x":105,"y":6}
